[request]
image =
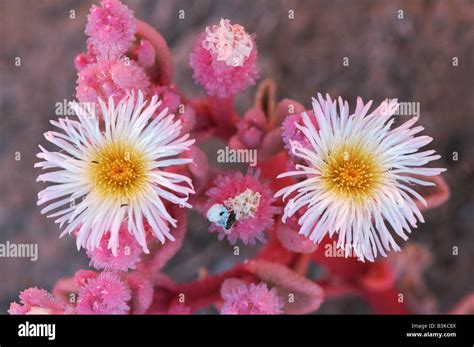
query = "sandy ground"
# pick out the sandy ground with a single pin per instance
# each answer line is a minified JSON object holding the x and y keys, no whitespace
{"x":409,"y":58}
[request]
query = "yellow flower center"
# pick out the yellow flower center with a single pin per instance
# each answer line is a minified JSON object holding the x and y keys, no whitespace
{"x":118,"y":171}
{"x":351,"y":172}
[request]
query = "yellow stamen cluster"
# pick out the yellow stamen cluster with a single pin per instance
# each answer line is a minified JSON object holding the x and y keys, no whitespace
{"x":244,"y":205}
{"x":351,"y":172}
{"x":118,"y":171}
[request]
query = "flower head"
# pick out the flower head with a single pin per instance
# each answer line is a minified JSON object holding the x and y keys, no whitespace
{"x":357,"y":176}
{"x":105,"y":178}
{"x":110,"y":78}
{"x":111,"y":28}
{"x":104,"y":294}
{"x":245,"y":204}
{"x":224,"y":59}
{"x":38,"y":301}
{"x":240,"y":298}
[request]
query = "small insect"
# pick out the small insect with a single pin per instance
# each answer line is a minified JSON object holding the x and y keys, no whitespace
{"x":221,"y":216}
{"x":95,"y":162}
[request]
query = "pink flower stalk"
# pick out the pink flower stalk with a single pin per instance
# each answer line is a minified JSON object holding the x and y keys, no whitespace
{"x":111,"y":29}
{"x":250,"y":299}
{"x":247,"y":203}
{"x":38,"y":301}
{"x":128,"y":253}
{"x":110,"y":78}
{"x":104,"y":294}
{"x":224,"y":59}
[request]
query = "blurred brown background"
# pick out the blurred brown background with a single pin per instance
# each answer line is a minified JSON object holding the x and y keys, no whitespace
{"x":409,"y":58}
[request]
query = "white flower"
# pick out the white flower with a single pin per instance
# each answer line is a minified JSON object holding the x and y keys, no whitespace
{"x":110,"y":172}
{"x":358,"y":175}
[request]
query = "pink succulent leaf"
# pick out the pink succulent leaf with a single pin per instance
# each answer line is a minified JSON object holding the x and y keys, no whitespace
{"x":105,"y":294}
{"x":250,"y":128}
{"x":163,"y":72}
{"x":146,"y":54}
{"x":223,"y":116}
{"x":285,"y":108}
{"x":294,"y":242}
{"x":39,"y":301}
{"x":301,"y":294}
{"x":236,"y":143}
{"x":434,"y":195}
{"x":272,"y":144}
{"x":141,"y":291}
{"x":111,"y":29}
{"x":242,"y":298}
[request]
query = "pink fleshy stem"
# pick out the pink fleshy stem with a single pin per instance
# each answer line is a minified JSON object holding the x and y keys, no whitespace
{"x":222,"y":113}
{"x":273,"y":251}
{"x":336,"y":289}
{"x":204,"y":292}
{"x":301,"y":263}
{"x":385,"y":301}
{"x":164,"y":69}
